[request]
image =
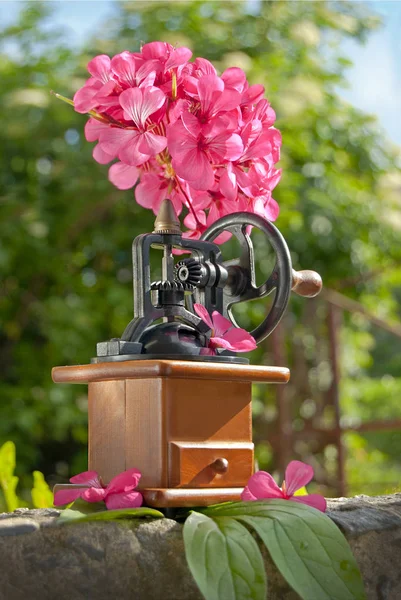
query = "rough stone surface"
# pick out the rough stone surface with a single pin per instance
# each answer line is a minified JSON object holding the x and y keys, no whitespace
{"x":145,"y":560}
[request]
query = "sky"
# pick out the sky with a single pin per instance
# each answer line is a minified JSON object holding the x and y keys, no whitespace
{"x":374,"y":80}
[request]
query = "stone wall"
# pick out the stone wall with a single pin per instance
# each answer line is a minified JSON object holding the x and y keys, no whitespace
{"x":144,"y":560}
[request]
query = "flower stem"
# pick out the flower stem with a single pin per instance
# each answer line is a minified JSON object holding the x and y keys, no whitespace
{"x":189,"y":203}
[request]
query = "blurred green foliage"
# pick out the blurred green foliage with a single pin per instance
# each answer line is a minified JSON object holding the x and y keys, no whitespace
{"x":41,"y":495}
{"x":66,"y":232}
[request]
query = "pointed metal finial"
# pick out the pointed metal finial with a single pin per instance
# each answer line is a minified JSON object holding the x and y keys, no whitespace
{"x":166,"y":220}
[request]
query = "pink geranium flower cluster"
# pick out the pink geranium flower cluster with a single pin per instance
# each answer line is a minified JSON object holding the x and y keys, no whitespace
{"x":205,"y":141}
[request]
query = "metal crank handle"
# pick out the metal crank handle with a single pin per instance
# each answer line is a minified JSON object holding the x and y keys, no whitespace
{"x":306,"y":283}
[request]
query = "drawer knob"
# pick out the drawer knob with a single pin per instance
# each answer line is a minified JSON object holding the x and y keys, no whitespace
{"x":220,"y":466}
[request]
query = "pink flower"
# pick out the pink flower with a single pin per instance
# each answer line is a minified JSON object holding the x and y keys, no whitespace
{"x":154,"y":188}
{"x":100,"y":84}
{"x":117,"y":494}
{"x":214,"y":98}
{"x":194,"y":149}
{"x":224,"y":334}
{"x":298,"y":474}
{"x":135,"y":146}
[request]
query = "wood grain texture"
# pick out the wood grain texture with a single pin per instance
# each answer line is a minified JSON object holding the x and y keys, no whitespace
{"x":106,"y":428}
{"x":187,"y":498}
{"x":208,"y":410}
{"x":181,"y":369}
{"x":192,"y":465}
{"x":145,"y":437}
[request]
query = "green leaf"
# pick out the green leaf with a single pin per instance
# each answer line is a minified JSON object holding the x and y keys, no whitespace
{"x":8,"y":481}
{"x":75,"y":516}
{"x":42,"y":496}
{"x":86,"y":508}
{"x":307,"y":547}
{"x":224,"y":559}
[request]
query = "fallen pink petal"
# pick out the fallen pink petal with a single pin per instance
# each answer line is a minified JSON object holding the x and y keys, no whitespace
{"x":224,"y":334}
{"x":119,"y":493}
{"x":262,"y":486}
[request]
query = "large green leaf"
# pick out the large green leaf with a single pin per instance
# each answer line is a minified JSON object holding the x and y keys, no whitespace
{"x":224,"y":559}
{"x":75,"y":516}
{"x":307,"y":547}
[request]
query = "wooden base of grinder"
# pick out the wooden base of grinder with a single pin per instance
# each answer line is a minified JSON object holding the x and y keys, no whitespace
{"x":187,"y":426}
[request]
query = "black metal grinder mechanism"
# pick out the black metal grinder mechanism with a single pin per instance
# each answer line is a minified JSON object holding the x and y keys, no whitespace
{"x":165,"y":324}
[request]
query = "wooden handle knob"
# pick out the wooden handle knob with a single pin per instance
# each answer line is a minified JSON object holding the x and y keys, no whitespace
{"x":220,"y":466}
{"x":306,"y":283}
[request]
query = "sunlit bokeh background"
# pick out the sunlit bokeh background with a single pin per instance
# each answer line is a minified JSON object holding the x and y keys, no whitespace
{"x":332,"y":73}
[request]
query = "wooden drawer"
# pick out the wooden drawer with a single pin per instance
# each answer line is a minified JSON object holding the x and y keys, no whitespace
{"x":210,"y":464}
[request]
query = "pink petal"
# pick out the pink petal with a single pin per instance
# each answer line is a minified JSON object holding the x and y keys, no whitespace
{"x":297,"y":475}
{"x":124,"y":67}
{"x":152,"y":144}
{"x":191,"y":124}
{"x":219,"y":342}
{"x":202,"y":66}
{"x":253,"y":94}
{"x":177,"y":199}
{"x":130,"y":154}
{"x":123,"y":176}
{"x":228,"y":147}
{"x":139,"y":103}
{"x":208,"y":87}
{"x":124,"y":500}
{"x":113,"y":139}
{"x":228,"y":184}
{"x":151,"y":191}
{"x":247,"y":496}
{"x":94,"y":494}
{"x":89,"y":478}
{"x":207,"y":351}
{"x":220,"y":324}
{"x":101,"y":156}
{"x":154,"y":50}
{"x":191,"y":222}
{"x":315,"y":500}
{"x":178,"y":57}
{"x":84,"y":98}
{"x":234,"y":78}
{"x":99,"y":67}
{"x":67,"y":496}
{"x":124,"y":482}
{"x":221,"y":125}
{"x":146,"y":74}
{"x":106,"y":97}
{"x":272,"y":210}
{"x":240,"y":340}
{"x":93,"y":129}
{"x":177,"y":108}
{"x":228,"y":100}
{"x":262,"y":485}
{"x":223,"y":237}
{"x":195,"y":168}
{"x":153,"y":100}
{"x":251,"y":132}
{"x":202,"y":312}
{"x":179,"y":140}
